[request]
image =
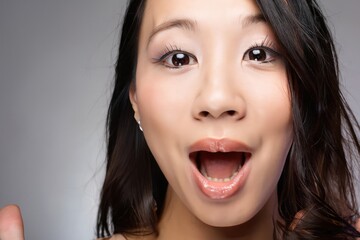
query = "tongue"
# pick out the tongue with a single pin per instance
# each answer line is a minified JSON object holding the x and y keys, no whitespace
{"x":219,"y":164}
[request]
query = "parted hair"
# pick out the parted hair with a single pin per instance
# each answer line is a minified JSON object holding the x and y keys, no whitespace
{"x":317,"y":180}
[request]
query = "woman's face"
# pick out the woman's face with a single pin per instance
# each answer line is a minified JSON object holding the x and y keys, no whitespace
{"x":212,"y":96}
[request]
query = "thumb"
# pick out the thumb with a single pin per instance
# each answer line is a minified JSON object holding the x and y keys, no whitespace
{"x":11,"y":224}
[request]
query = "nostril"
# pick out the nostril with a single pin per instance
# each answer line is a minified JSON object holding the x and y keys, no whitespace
{"x":231,"y":112}
{"x":204,"y":114}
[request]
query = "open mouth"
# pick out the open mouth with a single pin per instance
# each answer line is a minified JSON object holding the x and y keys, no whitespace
{"x":219,"y":166}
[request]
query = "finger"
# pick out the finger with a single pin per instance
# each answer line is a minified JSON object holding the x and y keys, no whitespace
{"x":11,"y":224}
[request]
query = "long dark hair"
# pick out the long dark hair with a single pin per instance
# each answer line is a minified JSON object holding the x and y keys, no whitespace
{"x":316,"y":181}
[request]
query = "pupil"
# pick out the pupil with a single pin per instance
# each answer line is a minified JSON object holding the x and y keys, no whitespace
{"x":258,"y":55}
{"x":180,"y":59}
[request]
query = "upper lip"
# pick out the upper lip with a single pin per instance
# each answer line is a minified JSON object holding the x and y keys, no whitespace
{"x":219,"y":145}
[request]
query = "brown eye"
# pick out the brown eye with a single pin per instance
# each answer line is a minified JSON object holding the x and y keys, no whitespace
{"x":260,"y":55}
{"x":257,"y":55}
{"x":178,"y":59}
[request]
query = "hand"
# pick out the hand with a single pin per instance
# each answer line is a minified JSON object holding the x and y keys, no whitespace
{"x":11,"y":224}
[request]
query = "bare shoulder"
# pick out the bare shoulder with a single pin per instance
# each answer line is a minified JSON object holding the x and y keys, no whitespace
{"x":121,"y":237}
{"x":114,"y":237}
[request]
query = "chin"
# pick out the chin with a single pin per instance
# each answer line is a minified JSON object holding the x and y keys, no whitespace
{"x":239,"y":210}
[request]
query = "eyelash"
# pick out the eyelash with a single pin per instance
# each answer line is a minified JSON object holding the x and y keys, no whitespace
{"x":171,"y":50}
{"x":266,"y":45}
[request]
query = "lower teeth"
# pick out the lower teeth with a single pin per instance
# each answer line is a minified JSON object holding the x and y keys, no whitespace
{"x":213,"y":179}
{"x":203,"y":172}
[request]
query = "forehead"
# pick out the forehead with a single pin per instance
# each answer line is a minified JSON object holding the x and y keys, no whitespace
{"x":204,"y":12}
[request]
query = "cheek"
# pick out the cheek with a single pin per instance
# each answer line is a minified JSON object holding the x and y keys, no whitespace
{"x":156,"y":104}
{"x":270,"y":111}
{"x":270,"y":104}
{"x":164,"y":99}
{"x":161,"y":105}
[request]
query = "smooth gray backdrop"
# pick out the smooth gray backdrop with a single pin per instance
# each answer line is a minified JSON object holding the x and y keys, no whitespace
{"x":56,"y":69}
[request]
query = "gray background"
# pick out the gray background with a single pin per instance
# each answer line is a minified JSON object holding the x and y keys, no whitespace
{"x":56,"y":68}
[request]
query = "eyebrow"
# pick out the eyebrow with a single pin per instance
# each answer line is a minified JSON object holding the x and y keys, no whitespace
{"x":252,"y":19}
{"x":189,"y":24}
{"x":186,"y":24}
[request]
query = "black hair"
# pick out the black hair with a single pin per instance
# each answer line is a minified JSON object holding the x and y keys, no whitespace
{"x":316,"y":180}
{"x":127,"y":196}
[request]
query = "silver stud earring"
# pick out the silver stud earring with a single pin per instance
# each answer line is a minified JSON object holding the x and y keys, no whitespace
{"x":139,"y":123}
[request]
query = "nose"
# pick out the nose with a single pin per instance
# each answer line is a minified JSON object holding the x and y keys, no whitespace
{"x":219,"y":95}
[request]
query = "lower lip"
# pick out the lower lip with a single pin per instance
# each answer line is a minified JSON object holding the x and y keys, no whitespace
{"x":221,"y":190}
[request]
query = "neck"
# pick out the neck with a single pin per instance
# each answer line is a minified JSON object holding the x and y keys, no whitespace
{"x":178,"y":223}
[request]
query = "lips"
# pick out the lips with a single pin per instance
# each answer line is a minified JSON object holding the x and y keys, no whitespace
{"x":220,"y":166}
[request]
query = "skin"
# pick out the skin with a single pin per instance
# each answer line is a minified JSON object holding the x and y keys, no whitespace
{"x":11,"y":224}
{"x":12,"y":227}
{"x":220,"y":93}
{"x":242,"y":99}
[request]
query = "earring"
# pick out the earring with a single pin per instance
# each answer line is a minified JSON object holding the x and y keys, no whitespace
{"x":154,"y":206}
{"x":139,"y":123}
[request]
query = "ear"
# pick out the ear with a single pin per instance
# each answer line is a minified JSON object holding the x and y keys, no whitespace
{"x":133,"y":100}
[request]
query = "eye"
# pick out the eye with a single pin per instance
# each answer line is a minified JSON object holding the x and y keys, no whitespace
{"x":178,"y":59}
{"x":260,"y":54}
